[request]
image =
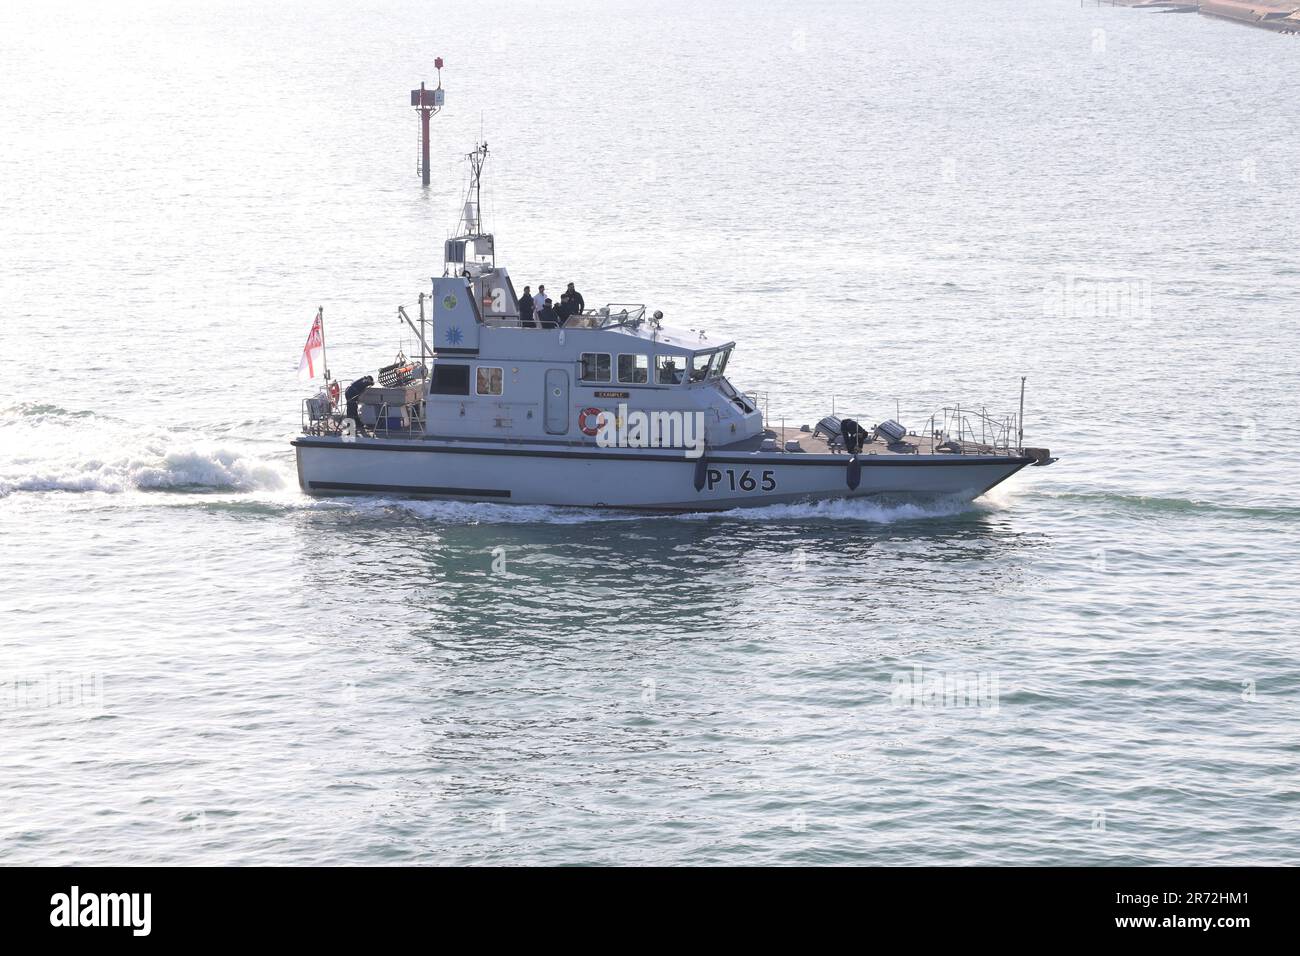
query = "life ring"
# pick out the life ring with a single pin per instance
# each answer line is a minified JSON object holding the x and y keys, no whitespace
{"x":334,"y":393}
{"x":590,"y":427}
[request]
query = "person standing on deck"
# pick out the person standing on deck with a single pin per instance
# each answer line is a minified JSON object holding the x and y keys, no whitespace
{"x":526,"y":309}
{"x":547,"y":315}
{"x":573,"y":301}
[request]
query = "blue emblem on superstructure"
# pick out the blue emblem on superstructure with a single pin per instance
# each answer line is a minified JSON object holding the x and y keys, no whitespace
{"x":454,"y":335}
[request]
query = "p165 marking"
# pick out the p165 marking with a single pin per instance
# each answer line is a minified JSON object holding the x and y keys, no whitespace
{"x":745,"y":480}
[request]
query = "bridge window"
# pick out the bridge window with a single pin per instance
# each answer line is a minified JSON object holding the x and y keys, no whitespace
{"x":595,"y":367}
{"x":634,"y":369}
{"x":669,"y":369}
{"x":489,"y":380}
{"x":699,"y":367}
{"x":450,"y":379}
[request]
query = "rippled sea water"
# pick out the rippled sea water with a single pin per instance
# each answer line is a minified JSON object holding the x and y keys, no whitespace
{"x":888,"y":206}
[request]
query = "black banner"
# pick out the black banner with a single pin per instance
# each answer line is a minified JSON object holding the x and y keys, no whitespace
{"x":139,"y":906}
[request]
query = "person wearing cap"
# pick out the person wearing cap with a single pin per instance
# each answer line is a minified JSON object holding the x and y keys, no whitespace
{"x":548,"y":317}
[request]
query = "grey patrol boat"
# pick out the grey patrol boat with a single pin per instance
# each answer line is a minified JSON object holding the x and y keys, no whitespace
{"x":608,"y":408}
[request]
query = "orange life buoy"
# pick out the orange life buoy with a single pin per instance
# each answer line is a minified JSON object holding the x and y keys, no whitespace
{"x":586,"y":423}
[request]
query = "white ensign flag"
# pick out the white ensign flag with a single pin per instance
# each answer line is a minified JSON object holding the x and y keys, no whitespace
{"x":313,"y":353}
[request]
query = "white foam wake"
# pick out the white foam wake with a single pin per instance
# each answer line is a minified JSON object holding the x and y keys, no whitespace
{"x":857,"y":509}
{"x":47,"y":449}
{"x":194,"y":469}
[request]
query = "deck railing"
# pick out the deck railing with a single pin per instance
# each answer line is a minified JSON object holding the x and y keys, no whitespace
{"x":319,"y":421}
{"x":975,"y":427}
{"x":610,"y":316}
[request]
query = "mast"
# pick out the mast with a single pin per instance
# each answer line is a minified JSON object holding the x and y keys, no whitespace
{"x":463,"y":251}
{"x":320,"y":316}
{"x":424,"y":349}
{"x":476,"y":161}
{"x":1020,"y":420}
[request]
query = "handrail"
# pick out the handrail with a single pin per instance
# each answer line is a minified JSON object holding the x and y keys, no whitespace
{"x":611,"y":316}
{"x":993,"y":432}
{"x":760,"y":401}
{"x":319,"y":423}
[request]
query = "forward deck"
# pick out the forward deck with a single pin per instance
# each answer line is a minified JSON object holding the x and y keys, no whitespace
{"x":777,"y":438}
{"x":810,"y":444}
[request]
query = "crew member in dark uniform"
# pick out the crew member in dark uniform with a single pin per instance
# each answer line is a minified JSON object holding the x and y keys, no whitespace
{"x":573,"y":301}
{"x":526,"y":309}
{"x":547,"y":315}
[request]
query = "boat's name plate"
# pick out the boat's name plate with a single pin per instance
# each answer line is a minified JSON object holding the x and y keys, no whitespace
{"x":613,"y":394}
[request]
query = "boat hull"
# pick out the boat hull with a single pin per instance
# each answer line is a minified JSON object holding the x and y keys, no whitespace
{"x":583,"y":476}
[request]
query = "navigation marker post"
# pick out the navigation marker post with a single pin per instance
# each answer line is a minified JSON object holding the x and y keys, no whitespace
{"x":427,"y":102}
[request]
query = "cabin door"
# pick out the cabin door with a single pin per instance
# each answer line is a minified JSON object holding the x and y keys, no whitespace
{"x":557,"y":401}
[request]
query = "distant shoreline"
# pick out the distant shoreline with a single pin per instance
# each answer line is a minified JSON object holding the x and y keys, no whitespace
{"x":1280,"y":16}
